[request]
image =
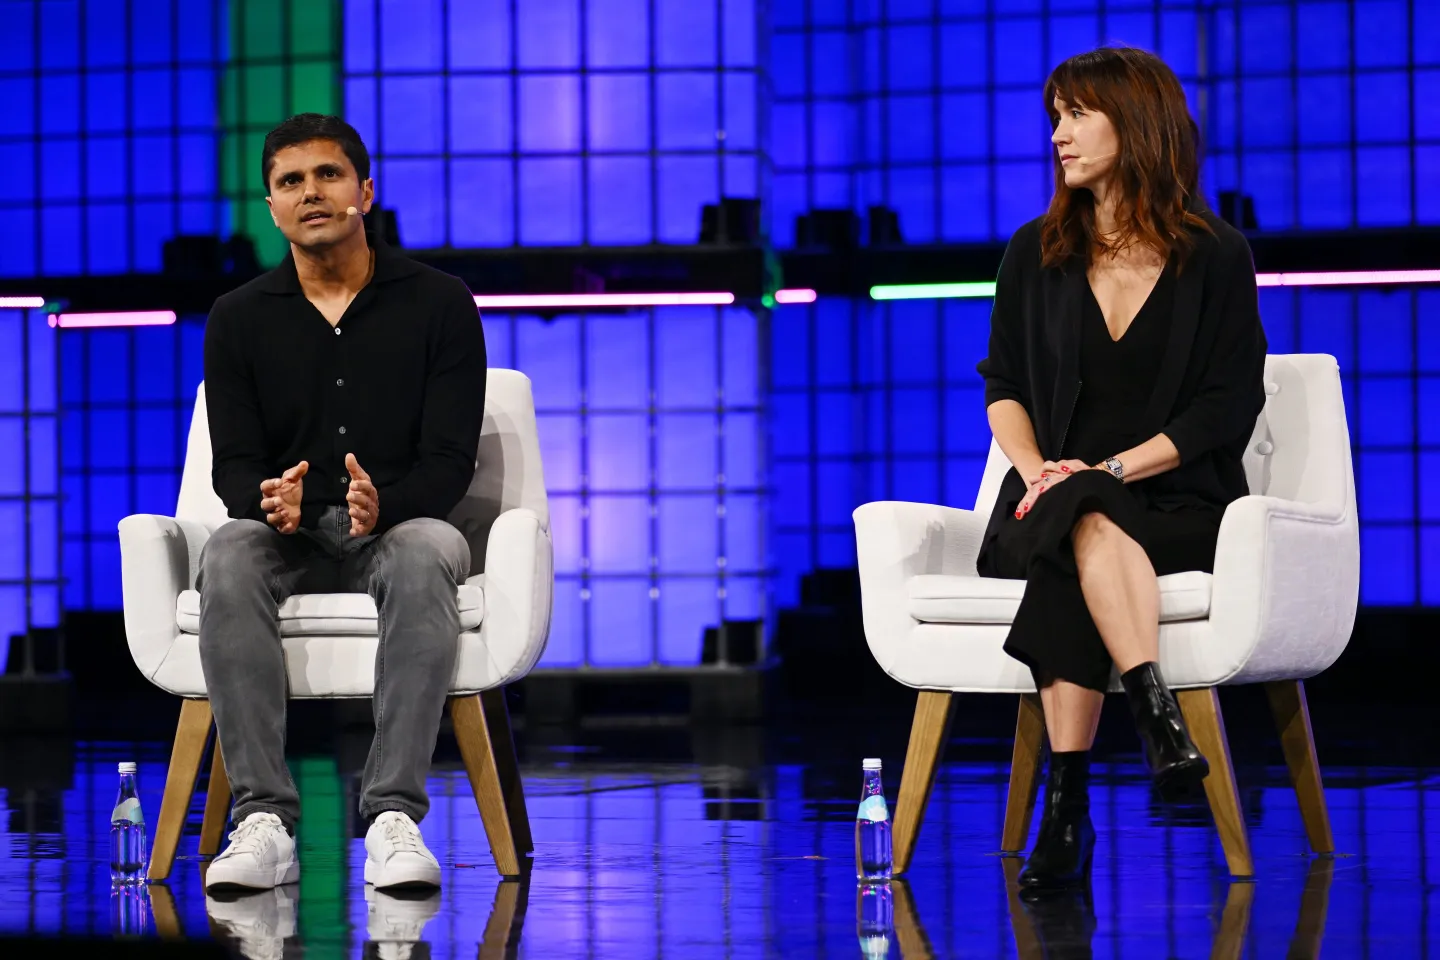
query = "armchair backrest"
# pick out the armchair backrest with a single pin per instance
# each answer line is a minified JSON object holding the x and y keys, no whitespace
{"x":508,"y":473}
{"x":1299,"y":450}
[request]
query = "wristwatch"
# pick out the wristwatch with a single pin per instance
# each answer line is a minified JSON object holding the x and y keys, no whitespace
{"x":1115,"y":467}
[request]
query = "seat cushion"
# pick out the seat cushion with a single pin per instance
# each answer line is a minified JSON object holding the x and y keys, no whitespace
{"x":332,"y":614}
{"x":957,"y":599}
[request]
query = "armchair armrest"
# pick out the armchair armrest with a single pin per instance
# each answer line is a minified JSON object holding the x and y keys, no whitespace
{"x":159,"y":559}
{"x":519,"y":582}
{"x":1286,"y":586}
{"x":895,"y":541}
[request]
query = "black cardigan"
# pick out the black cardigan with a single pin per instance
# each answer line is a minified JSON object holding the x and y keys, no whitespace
{"x":1210,"y":386}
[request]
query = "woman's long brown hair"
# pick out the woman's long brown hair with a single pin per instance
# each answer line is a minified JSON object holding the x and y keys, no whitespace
{"x":1156,"y":170}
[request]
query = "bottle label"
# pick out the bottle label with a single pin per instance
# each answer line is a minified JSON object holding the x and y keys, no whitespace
{"x":128,"y":809}
{"x":874,"y":809}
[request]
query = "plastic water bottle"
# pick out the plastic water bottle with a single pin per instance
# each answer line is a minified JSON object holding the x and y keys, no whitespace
{"x":127,"y":832}
{"x":875,"y":919}
{"x":872,"y":828}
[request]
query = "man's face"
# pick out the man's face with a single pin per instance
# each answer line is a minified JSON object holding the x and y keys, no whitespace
{"x":311,"y":184}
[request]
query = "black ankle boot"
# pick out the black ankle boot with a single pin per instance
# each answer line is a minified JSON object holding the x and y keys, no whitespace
{"x":1066,"y":841}
{"x":1175,"y":762}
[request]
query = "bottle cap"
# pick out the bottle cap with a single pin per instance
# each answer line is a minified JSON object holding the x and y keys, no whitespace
{"x":128,"y":767}
{"x":873,"y":763}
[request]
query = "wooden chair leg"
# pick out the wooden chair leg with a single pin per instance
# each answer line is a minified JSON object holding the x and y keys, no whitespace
{"x":1024,"y":773}
{"x":497,"y":720}
{"x":473,"y":736}
{"x":1234,"y":922}
{"x":928,"y":735}
{"x":185,"y":756}
{"x":1207,"y":726}
{"x":1292,"y":717}
{"x":217,"y":803}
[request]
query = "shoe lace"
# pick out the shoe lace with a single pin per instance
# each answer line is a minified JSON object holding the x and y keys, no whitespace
{"x":402,"y":835}
{"x":252,"y":836}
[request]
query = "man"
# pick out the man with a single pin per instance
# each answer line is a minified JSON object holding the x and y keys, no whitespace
{"x":345,"y":391}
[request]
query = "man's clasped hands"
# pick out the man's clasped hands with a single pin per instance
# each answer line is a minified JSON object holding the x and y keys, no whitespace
{"x":281,"y":498}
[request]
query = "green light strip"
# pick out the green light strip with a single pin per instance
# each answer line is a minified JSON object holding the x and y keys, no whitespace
{"x":933,"y":291}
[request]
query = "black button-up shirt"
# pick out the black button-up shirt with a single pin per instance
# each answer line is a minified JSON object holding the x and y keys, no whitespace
{"x":399,"y":382}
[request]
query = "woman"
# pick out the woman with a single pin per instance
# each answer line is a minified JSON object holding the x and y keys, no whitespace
{"x":1123,"y":381}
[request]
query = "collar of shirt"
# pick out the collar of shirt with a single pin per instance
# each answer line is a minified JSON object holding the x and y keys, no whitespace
{"x":389,"y":265}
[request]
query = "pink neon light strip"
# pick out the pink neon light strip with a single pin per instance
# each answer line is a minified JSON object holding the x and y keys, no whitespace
{"x":138,"y":318}
{"x":795,"y":295}
{"x":524,"y":300}
{"x":21,"y":303}
{"x":1346,"y":278}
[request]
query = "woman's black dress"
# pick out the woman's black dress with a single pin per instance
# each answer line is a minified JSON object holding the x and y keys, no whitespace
{"x":1053,"y":632}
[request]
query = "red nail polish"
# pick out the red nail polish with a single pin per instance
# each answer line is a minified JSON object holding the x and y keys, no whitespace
{"x":1018,"y":514}
{"x":1064,"y":469}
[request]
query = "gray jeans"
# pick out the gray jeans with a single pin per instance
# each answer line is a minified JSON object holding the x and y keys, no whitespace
{"x":248,"y":569}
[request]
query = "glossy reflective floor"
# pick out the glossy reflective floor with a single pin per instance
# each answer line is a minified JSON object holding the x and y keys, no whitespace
{"x":737,"y":842}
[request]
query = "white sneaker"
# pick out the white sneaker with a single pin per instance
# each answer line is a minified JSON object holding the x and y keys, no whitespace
{"x":259,"y":922}
{"x":396,"y":923}
{"x":395,"y":854}
{"x":261,"y":855}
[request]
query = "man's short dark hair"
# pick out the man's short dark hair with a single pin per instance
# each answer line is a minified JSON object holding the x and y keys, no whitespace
{"x":304,"y":127}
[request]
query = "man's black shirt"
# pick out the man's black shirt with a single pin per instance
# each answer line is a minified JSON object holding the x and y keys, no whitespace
{"x":399,"y":382}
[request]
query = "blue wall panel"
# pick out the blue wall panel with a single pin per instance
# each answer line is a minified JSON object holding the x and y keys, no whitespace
{"x":652,"y":431}
{"x":861,"y":126}
{"x":119,"y":124}
{"x":557,"y":122}
{"x":598,"y":121}
{"x":29,"y":489}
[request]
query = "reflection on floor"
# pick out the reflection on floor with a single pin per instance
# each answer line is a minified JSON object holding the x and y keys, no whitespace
{"x":741,"y":858}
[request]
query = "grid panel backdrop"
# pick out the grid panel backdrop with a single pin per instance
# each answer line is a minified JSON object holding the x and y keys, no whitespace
{"x":107,"y":124}
{"x":651,"y":431}
{"x":870,"y":400}
{"x":557,"y":122}
{"x":29,"y":487}
{"x":127,"y":394}
{"x":1322,"y":112}
{"x":283,"y":59}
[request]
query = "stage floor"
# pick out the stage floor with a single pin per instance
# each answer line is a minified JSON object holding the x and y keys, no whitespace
{"x":683,"y":842}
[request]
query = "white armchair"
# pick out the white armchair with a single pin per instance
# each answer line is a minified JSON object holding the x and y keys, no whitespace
{"x":1279,"y":608}
{"x":330,"y":639}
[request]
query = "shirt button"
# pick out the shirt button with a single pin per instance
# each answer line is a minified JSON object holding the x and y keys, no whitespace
{"x":340,"y":383}
{"x":344,"y":479}
{"x":337,"y":331}
{"x":342,"y":429}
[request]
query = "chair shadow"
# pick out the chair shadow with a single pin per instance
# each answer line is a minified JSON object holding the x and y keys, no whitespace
{"x":1063,"y":926}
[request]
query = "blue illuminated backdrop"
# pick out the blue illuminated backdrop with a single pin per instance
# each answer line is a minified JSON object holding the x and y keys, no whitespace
{"x":29,"y":487}
{"x":108,"y":125}
{"x":1323,"y":112}
{"x":496,"y":122}
{"x":557,"y":122}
